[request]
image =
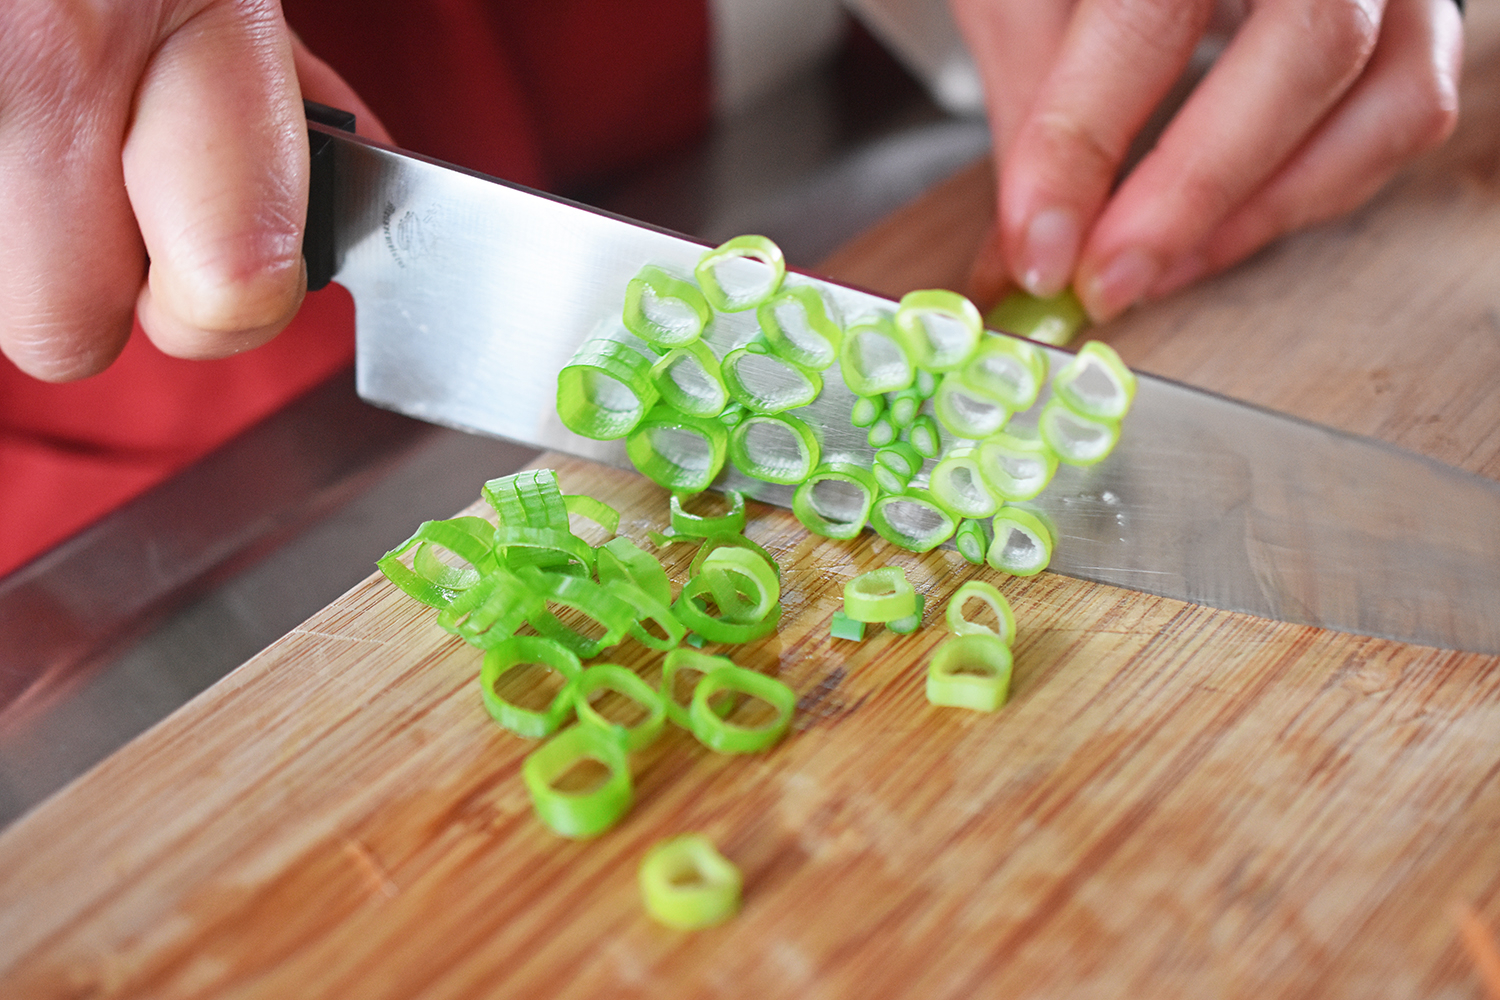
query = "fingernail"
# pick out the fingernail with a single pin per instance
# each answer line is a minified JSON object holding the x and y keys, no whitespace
{"x":1050,"y":251}
{"x":1120,"y":284}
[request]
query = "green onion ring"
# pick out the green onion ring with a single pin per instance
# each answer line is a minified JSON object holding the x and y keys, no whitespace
{"x":882,"y":432}
{"x":989,"y":595}
{"x":912,"y":622}
{"x":712,"y":396}
{"x":701,"y":526}
{"x":893,"y":515}
{"x":687,"y":884}
{"x":763,"y":382}
{"x":491,"y":611}
{"x":1022,"y":544}
{"x":613,"y":677}
{"x":690,"y":611}
{"x":648,"y":608}
{"x":456,"y":538}
{"x":764,"y":590}
{"x":971,"y":541}
{"x":873,"y":358}
{"x":621,"y":559}
{"x":1008,"y":370}
{"x":756,"y":248}
{"x":818,"y":517}
{"x":652,"y":283}
{"x":746,"y":438}
{"x":866,"y":410}
{"x":597,"y":511}
{"x":880,"y":595}
{"x":689,"y":659}
{"x":605,"y":372}
{"x":924,"y":436}
{"x":714,"y":542}
{"x":552,"y":549}
{"x":676,"y":469}
{"x":722,"y":736}
{"x":965,"y":413}
{"x":941,"y":328}
{"x":518,"y":651}
{"x":585,"y":596}
{"x":1016,"y":466}
{"x":815,"y":354}
{"x":970,"y":671}
{"x":1076,"y":439}
{"x":1096,"y":383}
{"x":579,"y":814}
{"x":959,"y":486}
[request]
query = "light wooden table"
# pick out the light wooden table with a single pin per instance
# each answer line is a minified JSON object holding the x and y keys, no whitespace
{"x":1178,"y":802}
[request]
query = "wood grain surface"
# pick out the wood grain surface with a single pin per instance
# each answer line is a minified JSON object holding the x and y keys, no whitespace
{"x":1177,"y":802}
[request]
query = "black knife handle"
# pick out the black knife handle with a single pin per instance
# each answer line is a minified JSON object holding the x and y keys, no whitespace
{"x":317,"y":240}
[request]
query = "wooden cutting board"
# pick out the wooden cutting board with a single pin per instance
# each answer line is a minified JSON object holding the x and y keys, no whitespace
{"x":1177,"y":802}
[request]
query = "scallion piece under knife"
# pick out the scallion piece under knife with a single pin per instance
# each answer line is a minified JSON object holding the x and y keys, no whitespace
{"x":776,"y":448}
{"x":796,"y":324}
{"x":605,"y":391}
{"x":741,"y":273}
{"x":663,"y":309}
{"x":1022,"y":544}
{"x":941,"y":329}
{"x":835,"y":501}
{"x":913,"y":520}
{"x":676,"y":451}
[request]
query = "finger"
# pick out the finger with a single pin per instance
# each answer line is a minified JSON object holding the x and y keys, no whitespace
{"x":216,"y":165}
{"x":321,"y":83}
{"x":71,"y":260}
{"x":1014,"y":46}
{"x":1406,"y":102}
{"x":1118,"y":60}
{"x":1290,"y":63}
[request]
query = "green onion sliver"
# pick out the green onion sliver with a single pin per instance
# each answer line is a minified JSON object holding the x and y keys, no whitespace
{"x":765,"y":383}
{"x":713,"y":543}
{"x":1016,"y":466}
{"x":733,"y":414}
{"x":880,"y":595}
{"x":605,"y":391}
{"x":971,"y":541}
{"x":1096,"y":383}
{"x":441,"y":583}
{"x":695,"y":660}
{"x":1008,"y":370}
{"x":741,"y":274}
{"x":702,"y":526}
{"x":941,"y":328}
{"x":1022,"y":544}
{"x":923,"y":435}
{"x":796,"y":324}
{"x":925,"y":383}
{"x":1055,"y":320}
{"x":965,"y":413}
{"x":1075,"y":438}
{"x":835,"y":501}
{"x":895,"y":465}
{"x":874,"y":359}
{"x":491,"y":611}
{"x":585,"y":813}
{"x":663,"y":309}
{"x":744,"y":586}
{"x":866,"y":410}
{"x":648,"y":608}
{"x":774,"y":449}
{"x":613,"y":677}
{"x":552,"y":549}
{"x":723,"y":736}
{"x":690,"y":609}
{"x":989,"y":596}
{"x":689,"y":379}
{"x":883,"y":431}
{"x":687,"y":884}
{"x":611,"y":613}
{"x":959,"y":486}
{"x":913,"y":520}
{"x":676,"y":451}
{"x":519,"y":651}
{"x":905,"y":405}
{"x":528,"y":499}
{"x":595,"y":510}
{"x":970,"y":671}
{"x":621,"y":559}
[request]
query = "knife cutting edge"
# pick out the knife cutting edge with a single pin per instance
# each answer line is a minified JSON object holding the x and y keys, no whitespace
{"x":472,"y":293}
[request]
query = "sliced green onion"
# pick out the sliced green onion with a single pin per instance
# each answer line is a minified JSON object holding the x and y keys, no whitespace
{"x":925,"y":383}
{"x":841,"y":626}
{"x":676,"y":451}
{"x":775,"y":449}
{"x":585,"y":813}
{"x":1096,"y":383}
{"x":663,"y":309}
{"x":970,"y":671}
{"x":988,"y":595}
{"x":971,"y":541}
{"x":595,"y":510}
{"x":522,"y":650}
{"x":528,"y":499}
{"x":689,"y":379}
{"x":835,"y":500}
{"x":689,"y":659}
{"x":702,"y":526}
{"x":890,"y":480}
{"x":866,"y":410}
{"x":621,"y":559}
{"x":695,"y":640}
{"x":491,"y":611}
{"x":690,"y":610}
{"x":648,"y":608}
{"x":880,"y":595}
{"x":924,"y":436}
{"x":1055,"y":320}
{"x":1016,"y":466}
{"x":964,"y":412}
{"x":882,"y":432}
{"x":733,"y":414}
{"x":713,"y":543}
{"x":874,"y":359}
{"x":1009,"y":370}
{"x":605,"y":391}
{"x":1075,"y":438}
{"x":901,"y":458}
{"x":1022,"y":544}
{"x":687,"y":884}
{"x":592,"y":600}
{"x":552,"y":549}
{"x":741,"y":274}
{"x":442,"y":583}
{"x":960,"y":487}
{"x":796,"y":323}
{"x":725,"y":737}
{"x":744,"y":585}
{"x":904,"y":407}
{"x":613,"y":677}
{"x":912,"y":622}
{"x":940,"y":328}
{"x":913,"y":520}
{"x":764,"y":383}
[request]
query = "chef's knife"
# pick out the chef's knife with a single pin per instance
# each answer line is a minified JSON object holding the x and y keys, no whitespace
{"x":471,"y":294}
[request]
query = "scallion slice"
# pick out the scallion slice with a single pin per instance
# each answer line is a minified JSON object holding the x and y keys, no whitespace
{"x":613,"y":677}
{"x":988,"y":596}
{"x":923,"y":435}
{"x":1075,"y":438}
{"x":913,"y":520}
{"x":866,"y":410}
{"x":1096,"y":383}
{"x":438,"y":586}
{"x":723,"y":736}
{"x":971,"y":541}
{"x":835,"y":500}
{"x":959,"y":485}
{"x":679,"y":660}
{"x":621,"y":559}
{"x":1022,"y":544}
{"x":1055,"y":320}
{"x":765,"y":383}
{"x":895,"y":465}
{"x":941,"y":329}
{"x":663,"y":309}
{"x":741,"y":274}
{"x":689,"y":379}
{"x":965,"y":413}
{"x":874,"y":359}
{"x":648,"y":608}
{"x":691,"y":610}
{"x":912,"y":622}
{"x":522,"y":650}
{"x":605,"y":391}
{"x":491,"y":611}
{"x":775,"y":449}
{"x":1009,"y":370}
{"x":585,"y":597}
{"x":795,"y":322}
{"x":970,"y":671}
{"x":880,"y":595}
{"x":687,"y":884}
{"x":1016,"y":466}
{"x":585,"y":813}
{"x":676,"y":451}
{"x":841,"y":626}
{"x":702,"y":525}
{"x":595,"y":510}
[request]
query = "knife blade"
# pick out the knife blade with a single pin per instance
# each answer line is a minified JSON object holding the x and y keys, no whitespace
{"x":472,"y":293}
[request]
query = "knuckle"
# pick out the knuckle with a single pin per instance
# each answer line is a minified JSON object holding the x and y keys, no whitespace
{"x":1076,"y":148}
{"x":1343,"y":32}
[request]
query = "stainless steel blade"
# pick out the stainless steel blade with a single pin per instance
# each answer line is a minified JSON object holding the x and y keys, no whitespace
{"x":471,"y":295}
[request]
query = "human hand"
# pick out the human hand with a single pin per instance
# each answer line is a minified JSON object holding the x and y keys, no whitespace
{"x":170,"y":132}
{"x":1311,"y":107}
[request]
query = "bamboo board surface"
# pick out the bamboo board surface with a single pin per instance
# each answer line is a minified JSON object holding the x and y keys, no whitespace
{"x":1177,"y":802}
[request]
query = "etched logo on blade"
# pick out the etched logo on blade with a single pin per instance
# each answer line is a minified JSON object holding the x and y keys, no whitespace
{"x":408,"y":235}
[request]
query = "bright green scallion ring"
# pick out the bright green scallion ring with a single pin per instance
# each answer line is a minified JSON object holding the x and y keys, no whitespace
{"x":613,"y":677}
{"x":970,"y":671}
{"x":676,"y":451}
{"x":880,"y":595}
{"x":725,"y":737}
{"x":1022,"y":544}
{"x":579,"y":814}
{"x":874,"y":359}
{"x":689,"y":379}
{"x":764,"y":382}
{"x":701,"y":526}
{"x":957,"y":484}
{"x":913,"y":520}
{"x":941,"y":328}
{"x":716,"y":264}
{"x":518,"y":651}
{"x":621,"y":559}
{"x":605,"y":391}
{"x":774,"y":449}
{"x":988,"y":595}
{"x":663,"y":309}
{"x":796,"y":324}
{"x":681,"y":659}
{"x":690,"y":610}
{"x":1075,"y":438}
{"x":687,"y":884}
{"x":835,"y":501}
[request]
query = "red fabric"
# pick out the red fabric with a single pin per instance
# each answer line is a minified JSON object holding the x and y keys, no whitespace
{"x":550,"y":93}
